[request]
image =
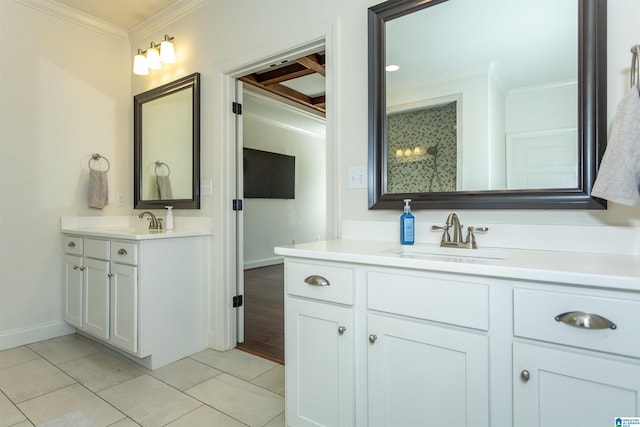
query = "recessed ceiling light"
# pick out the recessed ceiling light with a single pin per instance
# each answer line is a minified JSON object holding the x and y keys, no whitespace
{"x":392,"y":68}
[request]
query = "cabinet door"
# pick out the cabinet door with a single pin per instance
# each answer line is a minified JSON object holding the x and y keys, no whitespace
{"x":124,"y":307}
{"x":319,"y":355}
{"x":96,"y":298}
{"x":565,"y":388}
{"x":73,"y":281}
{"x":425,"y":375}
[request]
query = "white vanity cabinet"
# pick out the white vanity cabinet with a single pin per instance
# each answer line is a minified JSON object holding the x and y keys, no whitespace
{"x":320,"y":344}
{"x":583,"y":372}
{"x":145,"y":297}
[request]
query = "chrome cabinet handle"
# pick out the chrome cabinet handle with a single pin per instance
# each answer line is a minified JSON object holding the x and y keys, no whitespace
{"x":71,"y":244}
{"x":122,"y":251}
{"x":373,"y":338}
{"x":341,"y":329}
{"x":580,"y":319}
{"x":110,"y":275}
{"x":525,"y":375}
{"x":316,"y":281}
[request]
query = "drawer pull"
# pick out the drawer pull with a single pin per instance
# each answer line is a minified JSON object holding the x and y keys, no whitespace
{"x":373,"y":338}
{"x":341,"y":329}
{"x":122,"y":251}
{"x":316,"y":281}
{"x":71,"y":244}
{"x":525,"y":375}
{"x":580,"y":319}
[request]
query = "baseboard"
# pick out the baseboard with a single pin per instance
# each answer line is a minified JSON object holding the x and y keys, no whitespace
{"x":263,"y":262}
{"x":18,"y":337}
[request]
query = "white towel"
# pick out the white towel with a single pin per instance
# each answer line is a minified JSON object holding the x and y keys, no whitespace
{"x":619,"y":175}
{"x":98,"y":191}
{"x":163,"y":185}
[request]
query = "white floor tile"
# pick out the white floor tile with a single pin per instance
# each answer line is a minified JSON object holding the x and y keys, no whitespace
{"x":149,"y":401}
{"x":101,"y":370}
{"x":70,"y":399}
{"x":272,"y":380}
{"x":67,"y":347}
{"x":205,"y":416}
{"x":185,"y":373}
{"x":278,"y":421}
{"x":15,"y":356}
{"x":32,"y":379}
{"x":9,"y":413}
{"x":235,"y":362}
{"x":239,"y":399}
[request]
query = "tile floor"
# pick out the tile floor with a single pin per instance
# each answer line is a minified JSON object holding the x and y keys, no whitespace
{"x":44,"y":381}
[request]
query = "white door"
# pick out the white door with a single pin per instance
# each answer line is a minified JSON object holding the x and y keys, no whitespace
{"x":320,"y":364}
{"x":560,"y":388}
{"x":96,"y":298}
{"x":124,"y":307}
{"x":424,"y":375}
{"x":73,"y":275}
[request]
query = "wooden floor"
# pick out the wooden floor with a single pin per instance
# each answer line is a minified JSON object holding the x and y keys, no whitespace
{"x":264,"y":312}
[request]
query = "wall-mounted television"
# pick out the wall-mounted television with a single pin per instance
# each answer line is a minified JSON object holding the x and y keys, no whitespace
{"x":268,"y":175}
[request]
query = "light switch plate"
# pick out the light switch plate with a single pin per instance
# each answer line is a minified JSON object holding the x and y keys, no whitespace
{"x":358,"y":177}
{"x":206,"y":187}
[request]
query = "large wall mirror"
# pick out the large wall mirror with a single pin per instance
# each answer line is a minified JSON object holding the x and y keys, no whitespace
{"x":167,"y":145}
{"x":495,"y":104}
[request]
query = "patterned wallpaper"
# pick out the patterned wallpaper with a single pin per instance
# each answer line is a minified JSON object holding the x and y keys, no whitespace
{"x":421,"y":150}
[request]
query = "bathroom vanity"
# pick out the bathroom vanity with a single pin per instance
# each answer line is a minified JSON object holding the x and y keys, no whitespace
{"x":380,"y":334}
{"x":138,"y":291}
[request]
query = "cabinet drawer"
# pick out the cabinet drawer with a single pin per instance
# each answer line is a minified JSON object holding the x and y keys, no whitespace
{"x":124,"y":252}
{"x":535,"y":317}
{"x":339,"y":281}
{"x":73,"y":245}
{"x":96,"y":248}
{"x":430,"y":298}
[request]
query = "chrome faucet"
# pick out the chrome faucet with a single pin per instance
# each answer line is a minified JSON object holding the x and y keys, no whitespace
{"x":456,"y":241}
{"x":154,"y":223}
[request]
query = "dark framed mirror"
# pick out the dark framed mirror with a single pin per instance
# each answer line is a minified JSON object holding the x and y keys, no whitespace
{"x":480,"y":115}
{"x":166,"y":139}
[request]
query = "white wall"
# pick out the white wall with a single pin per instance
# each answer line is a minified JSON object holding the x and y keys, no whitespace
{"x":60,"y":105}
{"x":275,"y":222}
{"x":65,"y":95}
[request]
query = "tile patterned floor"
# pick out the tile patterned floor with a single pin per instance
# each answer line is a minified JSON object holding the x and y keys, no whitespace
{"x":44,"y":381}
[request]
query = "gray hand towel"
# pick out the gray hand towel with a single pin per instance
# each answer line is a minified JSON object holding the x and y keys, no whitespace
{"x":619,"y":175}
{"x":164,"y":187}
{"x":98,"y":191}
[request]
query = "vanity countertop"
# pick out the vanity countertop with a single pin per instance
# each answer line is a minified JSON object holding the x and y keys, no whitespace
{"x":586,"y":269}
{"x":134,"y":233}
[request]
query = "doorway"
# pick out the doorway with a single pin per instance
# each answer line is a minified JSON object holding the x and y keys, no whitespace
{"x":282,"y":181}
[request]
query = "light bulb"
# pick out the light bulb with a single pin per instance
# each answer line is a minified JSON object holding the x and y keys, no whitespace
{"x":407,"y":152}
{"x":416,"y":151}
{"x":153,"y":58}
{"x":167,"y":54}
{"x":140,"y":64}
{"x":399,"y":152}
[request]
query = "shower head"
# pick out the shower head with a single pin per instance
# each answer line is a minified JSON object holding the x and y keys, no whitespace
{"x":433,"y":150}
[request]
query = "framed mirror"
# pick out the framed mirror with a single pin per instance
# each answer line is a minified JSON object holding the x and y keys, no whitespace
{"x":166,"y":142}
{"x":496,"y":104}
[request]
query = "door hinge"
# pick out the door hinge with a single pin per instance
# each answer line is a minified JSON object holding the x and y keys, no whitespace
{"x":236,"y":107}
{"x":237,"y":301}
{"x":237,"y":204}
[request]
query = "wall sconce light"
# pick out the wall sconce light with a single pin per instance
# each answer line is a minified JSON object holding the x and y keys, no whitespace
{"x":153,"y":58}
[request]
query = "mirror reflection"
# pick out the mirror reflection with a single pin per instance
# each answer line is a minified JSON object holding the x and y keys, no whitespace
{"x":167,"y":145}
{"x":493,"y":104}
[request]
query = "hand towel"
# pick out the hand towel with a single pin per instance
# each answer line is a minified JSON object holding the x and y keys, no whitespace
{"x":164,"y":187}
{"x":98,"y":191}
{"x":619,"y":175}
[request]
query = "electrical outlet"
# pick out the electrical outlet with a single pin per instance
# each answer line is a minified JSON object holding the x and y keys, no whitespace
{"x":120,"y":199}
{"x":358,"y":177}
{"x":206,"y":187}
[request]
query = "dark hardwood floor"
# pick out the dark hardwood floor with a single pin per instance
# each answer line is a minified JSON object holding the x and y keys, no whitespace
{"x":264,"y":312}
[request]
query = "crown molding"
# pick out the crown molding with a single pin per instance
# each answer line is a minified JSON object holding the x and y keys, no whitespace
{"x":166,"y":16}
{"x":76,"y":17}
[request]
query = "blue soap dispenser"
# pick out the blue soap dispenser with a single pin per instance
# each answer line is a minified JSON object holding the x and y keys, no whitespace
{"x":407,"y":222}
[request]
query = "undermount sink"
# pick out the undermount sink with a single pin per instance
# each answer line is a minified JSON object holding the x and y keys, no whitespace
{"x":430,"y":251}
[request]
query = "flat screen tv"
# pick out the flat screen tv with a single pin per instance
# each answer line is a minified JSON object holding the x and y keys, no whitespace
{"x":268,"y":175}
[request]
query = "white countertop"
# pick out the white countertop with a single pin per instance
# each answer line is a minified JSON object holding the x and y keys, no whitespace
{"x":134,"y":233}
{"x":586,"y":269}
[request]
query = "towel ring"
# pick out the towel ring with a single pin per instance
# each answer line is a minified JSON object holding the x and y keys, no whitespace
{"x":159,"y":164}
{"x":97,"y":157}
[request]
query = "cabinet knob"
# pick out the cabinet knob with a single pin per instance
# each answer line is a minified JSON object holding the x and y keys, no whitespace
{"x":525,"y":375}
{"x":71,"y":244}
{"x":341,"y":329}
{"x":82,"y":268}
{"x":373,"y":338}
{"x":316,"y":281}
{"x":110,"y":275}
{"x":122,"y":251}
{"x":580,"y":319}
{"x":75,"y":267}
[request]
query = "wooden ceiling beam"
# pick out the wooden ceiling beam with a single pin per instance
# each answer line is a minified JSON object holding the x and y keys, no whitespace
{"x":317,"y":103}
{"x":313,"y":62}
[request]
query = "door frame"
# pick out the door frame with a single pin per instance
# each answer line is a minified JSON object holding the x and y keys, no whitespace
{"x":223,"y":319}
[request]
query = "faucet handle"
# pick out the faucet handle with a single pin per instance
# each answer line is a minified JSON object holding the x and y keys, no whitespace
{"x":445,"y":232}
{"x":471,"y":238}
{"x":159,"y":223}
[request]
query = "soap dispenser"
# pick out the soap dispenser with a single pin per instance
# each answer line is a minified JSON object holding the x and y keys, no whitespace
{"x":407,"y":225}
{"x":169,"y":221}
